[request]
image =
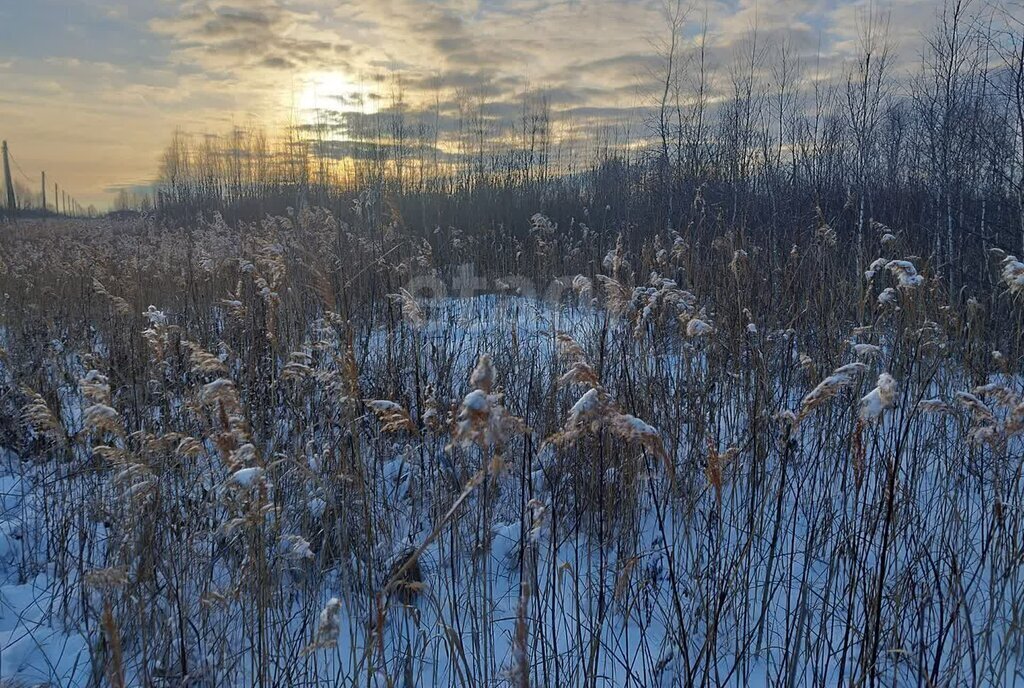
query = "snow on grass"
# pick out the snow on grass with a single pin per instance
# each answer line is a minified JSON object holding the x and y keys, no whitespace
{"x":616,"y":598}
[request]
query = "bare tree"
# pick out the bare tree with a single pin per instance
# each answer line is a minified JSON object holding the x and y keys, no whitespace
{"x":675,"y":13}
{"x":867,"y":94}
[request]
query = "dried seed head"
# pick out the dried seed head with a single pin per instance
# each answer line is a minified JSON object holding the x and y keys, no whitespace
{"x":482,"y":377}
{"x":38,"y":416}
{"x":102,"y":418}
{"x":840,"y":378}
{"x":203,"y":362}
{"x":698,"y":328}
{"x":393,"y":417}
{"x":935,"y":405}
{"x":411,"y":310}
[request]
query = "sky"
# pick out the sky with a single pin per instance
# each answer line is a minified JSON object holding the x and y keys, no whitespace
{"x":92,"y":90}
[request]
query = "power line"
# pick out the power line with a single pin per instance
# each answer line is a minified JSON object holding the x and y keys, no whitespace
{"x":57,"y":204}
{"x":63,"y":202}
{"x":15,"y":161}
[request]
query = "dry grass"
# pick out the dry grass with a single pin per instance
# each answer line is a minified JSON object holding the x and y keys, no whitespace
{"x":255,"y":466}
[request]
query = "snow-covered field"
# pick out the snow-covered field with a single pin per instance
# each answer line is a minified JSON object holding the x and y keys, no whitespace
{"x":634,"y":486}
{"x":37,"y":647}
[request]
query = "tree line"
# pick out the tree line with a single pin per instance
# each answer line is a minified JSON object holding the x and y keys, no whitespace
{"x":771,"y":139}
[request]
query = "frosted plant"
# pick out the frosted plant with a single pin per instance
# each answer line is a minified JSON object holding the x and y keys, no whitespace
{"x":615,"y":260}
{"x":431,"y":418}
{"x":102,"y":418}
{"x":698,"y":328}
{"x":95,"y":387}
{"x":660,"y":299}
{"x":984,"y":428}
{"x":987,"y":426}
{"x":876,"y":265}
{"x":327,"y":628}
{"x":234,"y":307}
{"x":717,"y":462}
{"x":584,"y":288}
{"x":579,"y":373}
{"x":878,"y":400}
{"x":294,"y":548}
{"x":827,"y":234}
{"x":392,"y":416}
{"x":483,"y":376}
{"x":738,"y":262}
{"x":1013,"y":275}
{"x":106,"y":579}
{"x":841,"y":378}
{"x":221,"y":390}
{"x":203,"y":362}
{"x":618,"y":298}
{"x":484,"y":421}
{"x":38,"y":416}
{"x":569,"y":347}
{"x":905,"y":273}
{"x":154,"y":316}
{"x":867,"y":350}
{"x":117,"y":303}
{"x":596,"y":409}
{"x":411,"y":310}
{"x":542,"y":224}
{"x":298,"y":367}
{"x":934,"y":405}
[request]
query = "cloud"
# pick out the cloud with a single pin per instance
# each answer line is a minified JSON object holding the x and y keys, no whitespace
{"x":97,"y":88}
{"x":240,"y":34}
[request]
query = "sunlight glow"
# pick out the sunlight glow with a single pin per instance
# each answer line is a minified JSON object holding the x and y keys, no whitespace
{"x":333,"y":91}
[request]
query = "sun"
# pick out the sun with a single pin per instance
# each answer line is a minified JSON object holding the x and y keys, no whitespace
{"x":335,"y":91}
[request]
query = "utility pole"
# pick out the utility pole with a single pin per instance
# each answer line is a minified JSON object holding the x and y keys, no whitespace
{"x":12,"y":207}
{"x":56,"y":199}
{"x":44,"y":192}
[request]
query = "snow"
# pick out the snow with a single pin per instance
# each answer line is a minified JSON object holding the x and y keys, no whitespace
{"x":295,"y":547}
{"x":476,"y":401}
{"x":879,"y":399}
{"x":384,"y":405}
{"x":586,"y":405}
{"x":698,"y":328}
{"x":247,"y":476}
{"x":1013,"y":274}
{"x":575,"y":574}
{"x":35,"y":648}
{"x":905,"y":273}
{"x":867,"y":350}
{"x":636,"y":425}
{"x":876,"y":265}
{"x":155,"y":316}
{"x":316,"y":507}
{"x":97,"y":414}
